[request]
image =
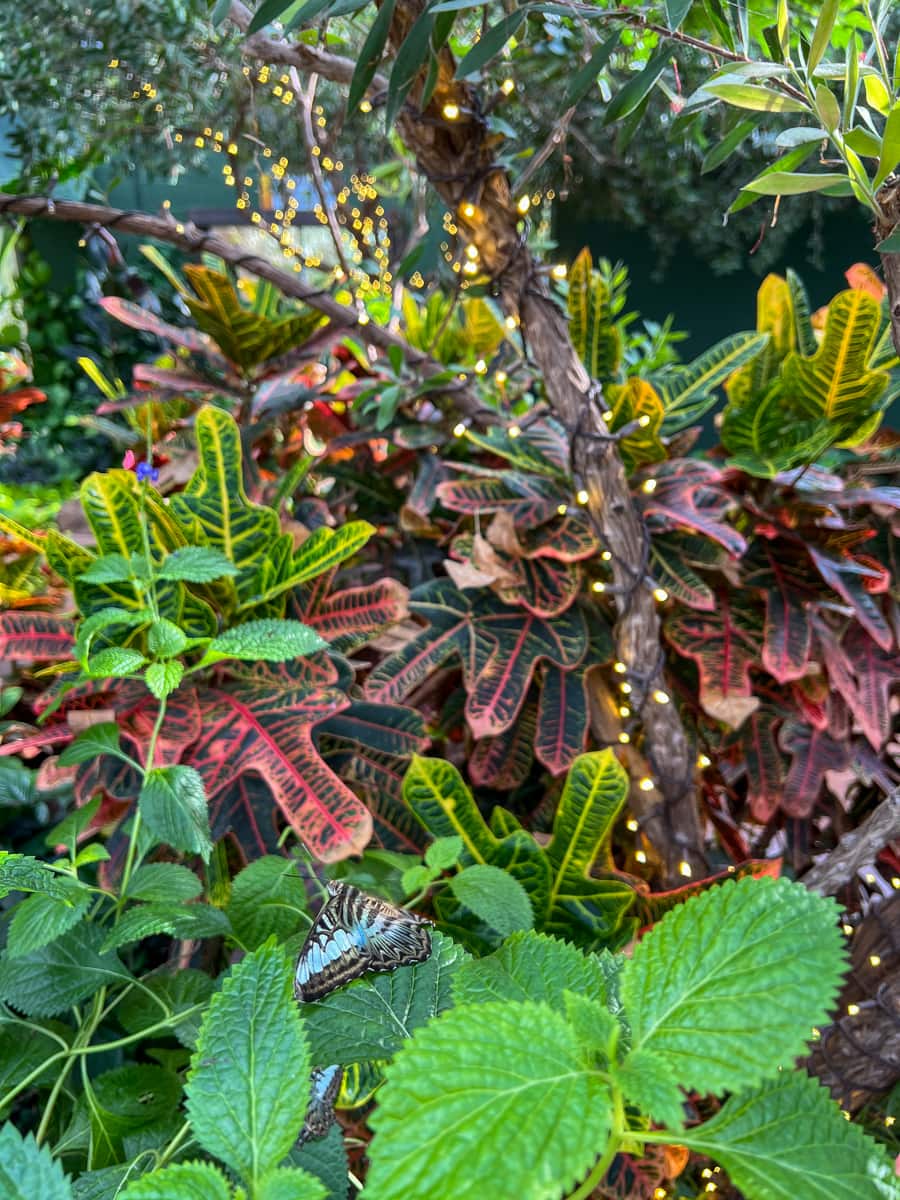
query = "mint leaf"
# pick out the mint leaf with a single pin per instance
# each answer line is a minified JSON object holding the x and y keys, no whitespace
{"x":326,"y":1158}
{"x":163,"y":678}
{"x":27,"y":1170}
{"x":788,"y":1139}
{"x":114,"y":662}
{"x":127,"y":1099}
{"x":594,"y":1026}
{"x":164,"y":638}
{"x":289,"y":1183}
{"x":495,"y":897}
{"x":444,"y":852}
{"x":196,"y":564}
{"x":109,"y":568}
{"x":178,"y":920}
{"x":647,"y":1079}
{"x":529,"y":966}
{"x":178,"y":993}
{"x":248,"y":1086}
{"x":482,"y":1085}
{"x":39,"y":920}
{"x":270,"y":639}
{"x":90,"y":744}
{"x":370,"y":1018}
{"x":54,"y":978}
{"x":173,"y":803}
{"x":74,"y":824}
{"x":22,"y":873}
{"x":267,"y":898}
{"x":23,"y":1047}
{"x":183,"y":1181}
{"x":164,"y":881}
{"x":729,"y":985}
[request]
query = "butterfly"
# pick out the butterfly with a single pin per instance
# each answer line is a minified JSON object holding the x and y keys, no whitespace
{"x":325,"y":1083}
{"x":354,"y":933}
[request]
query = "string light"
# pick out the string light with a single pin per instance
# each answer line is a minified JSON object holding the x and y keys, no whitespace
{"x":451,"y":112}
{"x":619,"y":668}
{"x":875,"y":960}
{"x":511,"y":322}
{"x":559,"y":271}
{"x":524,"y":204}
{"x":471,"y":251}
{"x":624,"y":711}
{"x":459,"y":430}
{"x":365,"y":106}
{"x":470,"y":268}
{"x":468,"y":210}
{"x":514,"y":431}
{"x":632,"y":825}
{"x":660,"y":594}
{"x":852,"y":1010}
{"x":646,"y":784}
{"x":648,"y":486}
{"x":598,"y":586}
{"x":625,"y":688}
{"x":660,"y":696}
{"x":641,"y":857}
{"x":684,"y":868}
{"x":848,"y":930}
{"x":606,"y":555}
{"x":624,"y":738}
{"x":501,"y":377}
{"x":507,"y":86}
{"x":480,"y":367}
{"x":608,"y":415}
{"x":643,"y":421}
{"x":562,"y":509}
{"x":582,"y":496}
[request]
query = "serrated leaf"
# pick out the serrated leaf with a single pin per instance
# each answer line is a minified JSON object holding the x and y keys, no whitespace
{"x":191,"y":921}
{"x":164,"y":881}
{"x":165,"y":639}
{"x":24,"y":1046}
{"x":268,"y":640}
{"x":289,"y":1183}
{"x":495,"y":897}
{"x":90,"y":743}
{"x":325,"y":1158}
{"x":444,"y":852}
{"x":114,"y":662}
{"x":22,"y":873}
{"x":496,"y":1080}
{"x":594,"y":1026}
{"x":146,"y":1006}
{"x":648,"y":1081}
{"x":181,"y":1181}
{"x":248,"y":1086}
{"x":28,"y":1170}
{"x":529,"y":966}
{"x":163,"y":678}
{"x":126,"y":1100}
{"x":39,"y":920}
{"x":67,"y":971}
{"x":735,"y":947}
{"x":789,"y":1139}
{"x":173,"y":803}
{"x":267,"y":899}
{"x":108,"y":568}
{"x":367,"y":1020}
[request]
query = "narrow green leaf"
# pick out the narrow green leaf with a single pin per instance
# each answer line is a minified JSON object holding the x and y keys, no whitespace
{"x":715,"y":157}
{"x":822,"y":34}
{"x":735,"y":945}
{"x":268,"y":640}
{"x":248,"y":1086}
{"x":490,"y":43}
{"x":636,"y":90}
{"x":173,"y":804}
{"x":851,"y":80}
{"x":495,"y":1080}
{"x":28,"y":1171}
{"x":890,"y":244}
{"x":827,"y":107}
{"x":754,"y":96}
{"x":370,"y":55}
{"x":196,"y":564}
{"x":494,"y":897}
{"x":407,"y":64}
{"x":890,"y":146}
{"x":308,"y":12}
{"x":586,"y":76}
{"x":788,"y":183}
{"x":789,"y":1139}
{"x":269,"y":10}
{"x":181,"y":1181}
{"x":90,"y":744}
{"x":676,"y":11}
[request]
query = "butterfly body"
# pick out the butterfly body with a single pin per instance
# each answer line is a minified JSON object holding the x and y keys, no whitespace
{"x":352,"y":934}
{"x":325,"y":1084}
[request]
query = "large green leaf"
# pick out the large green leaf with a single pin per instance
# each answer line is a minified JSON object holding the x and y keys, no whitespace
{"x":181,"y":1181}
{"x":494,"y":896}
{"x":788,"y":1139}
{"x":728,"y":986}
{"x":689,"y":391}
{"x":27,"y":1171}
{"x":369,"y":1019}
{"x":248,"y":1087}
{"x":267,"y":899}
{"x":765,"y":437}
{"x":324,"y":550}
{"x":485,"y":1085}
{"x":67,"y":971}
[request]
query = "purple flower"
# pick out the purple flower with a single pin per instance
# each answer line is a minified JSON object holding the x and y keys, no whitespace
{"x":146,"y":472}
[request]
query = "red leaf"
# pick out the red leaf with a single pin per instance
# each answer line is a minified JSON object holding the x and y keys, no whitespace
{"x":172,"y":381}
{"x":788,"y":633}
{"x":350,"y":616}
{"x":562,"y":720}
{"x":528,"y":500}
{"x":688,"y":493}
{"x":847,"y":577}
{"x":765,"y":764}
{"x":29,"y":637}
{"x":141,"y":318}
{"x":503,"y":762}
{"x":876,"y":674}
{"x":725,"y":644}
{"x":14,"y":402}
{"x":813,"y":753}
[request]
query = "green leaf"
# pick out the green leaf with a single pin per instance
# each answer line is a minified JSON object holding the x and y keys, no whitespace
{"x":789,"y":1139}
{"x":267,"y":899}
{"x":490,"y":43}
{"x":719,"y":153}
{"x":325,"y":1158}
{"x":72,"y":826}
{"x":114,"y":662}
{"x":754,"y":96}
{"x":58,"y":976}
{"x":289,"y":1183}
{"x":495,"y":897}
{"x":827,"y":107}
{"x":443,"y":853}
{"x":586,"y":76}
{"x":676,"y":11}
{"x":108,"y":568}
{"x":24,"y":1047}
{"x":890,"y":146}
{"x":370,"y":54}
{"x":196,"y":564}
{"x":164,"y":881}
{"x":648,"y":1080}
{"x":173,"y":804}
{"x":91,"y":854}
{"x":484,"y":1085}
{"x":821,"y":35}
{"x":579,"y":907}
{"x":90,"y":744}
{"x":248,"y":1086}
{"x":688,"y":391}
{"x":161,"y":993}
{"x":268,"y":640}
{"x":324,"y":550}
{"x":99,"y":622}
{"x":182,"y":1181}
{"x":407,"y":63}
{"x":27,"y":1171}
{"x":529,"y":966}
{"x":633,"y":93}
{"x":163,"y":678}
{"x":126,"y":1100}
{"x":737,"y":949}
{"x":269,"y":10}
{"x":22,"y":873}
{"x":367,"y":1020}
{"x":165,"y":639}
{"x":191,"y":921}
{"x":39,"y":920}
{"x":595,"y":1028}
{"x":792,"y":183}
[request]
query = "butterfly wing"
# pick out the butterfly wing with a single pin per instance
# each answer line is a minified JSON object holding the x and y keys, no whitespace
{"x":352,"y":934}
{"x":325,"y":1083}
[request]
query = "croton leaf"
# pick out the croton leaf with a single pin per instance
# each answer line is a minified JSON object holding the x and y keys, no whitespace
{"x":350,"y":617}
{"x":848,"y":578}
{"x":285,"y":391}
{"x":637,"y":400}
{"x":541,"y":447}
{"x":778,"y":571}
{"x":877,"y":673}
{"x":503,"y":761}
{"x":545,"y":588}
{"x":266,"y":731}
{"x":29,"y":637}
{"x":725,"y":644}
{"x":673,"y":557}
{"x":562,"y":719}
{"x":687,"y":493}
{"x":147,"y":322}
{"x":594,"y":334}
{"x":813,"y":752}
{"x":179,"y":382}
{"x":764,"y":761}
{"x":765,"y":437}
{"x":774,"y":316}
{"x":528,"y":499}
{"x":689,"y":391}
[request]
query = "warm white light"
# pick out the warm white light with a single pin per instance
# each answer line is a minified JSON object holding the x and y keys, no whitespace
{"x":606,"y":555}
{"x":661,"y":595}
{"x":597,"y":586}
{"x":625,"y":689}
{"x":684,"y":868}
{"x":643,"y":421}
{"x":875,"y":960}
{"x":451,"y":111}
{"x":624,"y":710}
{"x":471,"y":251}
{"x":631,"y":825}
{"x":501,"y":377}
{"x":524,"y":204}
{"x":365,"y":107}
{"x":459,"y":430}
{"x":560,"y":271}
{"x":582,"y":497}
{"x":562,"y":509}
{"x":648,"y":486}
{"x":641,"y":857}
{"x":507,"y":86}
{"x":624,"y":738}
{"x":480,"y":367}
{"x":468,"y":210}
{"x":646,"y":784}
{"x":660,"y":696}
{"x":514,"y":431}
{"x":852,"y":1010}
{"x":703,"y":761}
{"x":619,"y":668}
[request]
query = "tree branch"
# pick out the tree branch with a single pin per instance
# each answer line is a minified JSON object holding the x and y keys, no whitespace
{"x":858,"y":848}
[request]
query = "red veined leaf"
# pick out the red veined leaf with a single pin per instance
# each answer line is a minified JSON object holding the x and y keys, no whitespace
{"x":688,"y":493}
{"x":673,"y":557}
{"x":847,"y":578}
{"x":395,"y":827}
{"x":813,"y":752}
{"x":568,"y":538}
{"x":136,"y":713}
{"x":811,"y":695}
{"x":562,"y":719}
{"x":527,"y":499}
{"x":180,"y":382}
{"x":521,"y":641}
{"x":29,"y":637}
{"x":141,"y":318}
{"x":503,"y":762}
{"x":778,"y":571}
{"x":877,"y":673}
{"x":348,"y":618}
{"x":765,"y":763}
{"x":385,"y":728}
{"x":267,"y":731}
{"x":544,"y":587}
{"x":725,"y":644}
{"x":633,"y":1178}
{"x":653,"y":906}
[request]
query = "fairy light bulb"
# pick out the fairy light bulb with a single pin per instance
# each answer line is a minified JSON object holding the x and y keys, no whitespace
{"x":471,"y":252}
{"x":625,"y":688}
{"x":480,"y":367}
{"x":641,"y":857}
{"x":684,"y":868}
{"x":459,"y":430}
{"x":624,"y":711}
{"x":619,"y":668}
{"x":559,"y":271}
{"x":582,"y":496}
{"x":524,"y":204}
{"x":703,"y":761}
{"x":562,"y":509}
{"x":598,"y":586}
{"x":852,"y":1010}
{"x":643,"y":421}
{"x":624,"y":738}
{"x":606,"y":555}
{"x":507,"y":86}
{"x":875,"y":960}
{"x":648,"y":486}
{"x":660,"y":696}
{"x":468,"y":210}
{"x":514,"y":431}
{"x":660,"y":595}
{"x":646,"y":784}
{"x":632,"y":825}
{"x":501,"y":377}
{"x":451,"y":112}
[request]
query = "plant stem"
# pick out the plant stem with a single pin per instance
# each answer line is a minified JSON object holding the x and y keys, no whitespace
{"x":602,"y":1164}
{"x":174,"y":1145}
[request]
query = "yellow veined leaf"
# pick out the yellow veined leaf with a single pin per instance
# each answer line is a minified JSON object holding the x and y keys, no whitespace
{"x":774,"y":316}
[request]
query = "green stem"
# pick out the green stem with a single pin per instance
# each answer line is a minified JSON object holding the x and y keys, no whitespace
{"x":174,"y":1145}
{"x":131,"y":857}
{"x":85,"y":1034}
{"x":603,"y":1163}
